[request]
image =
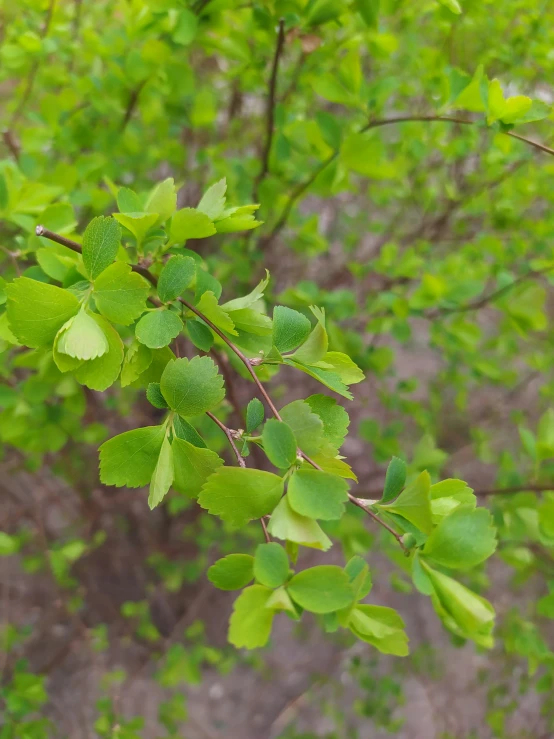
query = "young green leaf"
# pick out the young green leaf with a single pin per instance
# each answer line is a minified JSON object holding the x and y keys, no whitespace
{"x":158,"y":328}
{"x":340,"y":364}
{"x":184,"y":430}
{"x":335,"y":419}
{"x":317,"y":494}
{"x":395,"y":479}
{"x":176,"y":275}
{"x":452,"y":5}
{"x":248,"y":300}
{"x":290,"y":526}
{"x":254,"y":415}
{"x":463,"y":539}
{"x":130,"y":458}
{"x":413,"y":504}
{"x":209,"y":307}
{"x":251,"y":620}
{"x":290,"y":328}
{"x":200,"y":335}
{"x":192,"y":464}
{"x":137,"y":360}
{"x":37,"y":311}
{"x":279,"y":443}
{"x":162,"y":477}
{"x":306,"y":426}
{"x":271,"y":565}
{"x":238,"y":495}
{"x":448,"y":495}
{"x":315,"y":347}
{"x":100,"y":245}
{"x":189,"y":223}
{"x":137,"y":223}
{"x":120,"y":294}
{"x":232,"y":572}
{"x":154,"y":395}
{"x":128,"y":201}
{"x":162,"y":200}
{"x":100,"y":373}
{"x":82,"y":338}
{"x":380,"y":626}
{"x":213,"y":200}
{"x":321,"y":589}
{"x":359,"y":575}
{"x":192,"y":387}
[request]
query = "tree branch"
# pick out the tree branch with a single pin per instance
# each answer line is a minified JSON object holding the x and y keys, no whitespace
{"x":361,"y":504}
{"x":270,"y":108}
{"x":301,"y":188}
{"x":230,"y":438}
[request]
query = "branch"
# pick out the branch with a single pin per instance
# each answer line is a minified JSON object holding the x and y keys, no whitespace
{"x":42,"y":231}
{"x":515,"y":489}
{"x":131,"y":105}
{"x":230,"y":437}
{"x":270,"y":108}
{"x":299,"y":190}
{"x":375,"y":517}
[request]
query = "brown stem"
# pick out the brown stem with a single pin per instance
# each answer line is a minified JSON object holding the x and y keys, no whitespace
{"x":378,"y":520}
{"x":299,"y":190}
{"x":229,"y":434}
{"x":131,"y":105}
{"x":270,"y":109}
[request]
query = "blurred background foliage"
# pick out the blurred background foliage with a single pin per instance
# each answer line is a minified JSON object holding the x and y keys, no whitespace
{"x":430,"y":246}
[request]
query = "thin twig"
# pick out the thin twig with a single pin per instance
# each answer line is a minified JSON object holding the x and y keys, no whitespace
{"x":131,"y":105}
{"x":229,"y":434}
{"x":270,"y":108}
{"x":301,"y":188}
{"x":375,"y":517}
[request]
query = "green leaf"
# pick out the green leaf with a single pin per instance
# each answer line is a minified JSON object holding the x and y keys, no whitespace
{"x":128,"y":201}
{"x":279,"y":443}
{"x":186,"y":28}
{"x":100,"y":245}
{"x":251,"y":321}
{"x":158,"y":328}
{"x":306,"y":426}
{"x":238,"y":221}
{"x":120,"y":294}
{"x":315,"y":347}
{"x":359,"y":575}
{"x":507,"y":110}
{"x":537,"y":112}
{"x":463,"y":539}
{"x":189,"y":223}
{"x":193,"y":465}
{"x":154,"y":395}
{"x":200,"y":335}
{"x":232,"y":572}
{"x":271,"y":565}
{"x":290,"y":328}
{"x":238,"y":495}
{"x":448,"y":495}
{"x":192,"y":387}
{"x":209,"y":307}
{"x":251,"y":620}
{"x":100,"y":373}
{"x":288,"y":525}
{"x":335,"y":419}
{"x":8,"y":545}
{"x":162,"y":477}
{"x":213,"y":200}
{"x":413,"y":504}
{"x":326,"y":377}
{"x":184,"y":430}
{"x":394,"y":479}
{"x":321,"y":589}
{"x":280,"y":600}
{"x":162,"y":200}
{"x":82,"y":338}
{"x":36,"y":311}
{"x":317,"y":494}
{"x":335,"y":465}
{"x":341,"y":365}
{"x":248,"y":300}
{"x":462,"y":610}
{"x":380,"y":626}
{"x":130,"y":458}
{"x":137,"y":360}
{"x":545,"y":430}
{"x":255,"y":415}
{"x":369,"y":10}
{"x":176,"y":275}
{"x":137,"y":223}
{"x":452,"y":5}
